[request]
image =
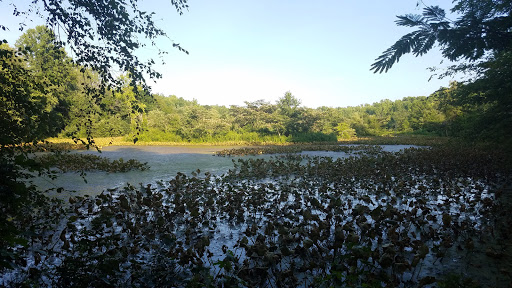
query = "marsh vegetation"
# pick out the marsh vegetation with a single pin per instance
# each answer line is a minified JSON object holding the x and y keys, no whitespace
{"x":417,"y":217}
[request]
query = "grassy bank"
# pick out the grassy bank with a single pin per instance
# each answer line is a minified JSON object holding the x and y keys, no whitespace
{"x":122,"y":141}
{"x":419,"y":140}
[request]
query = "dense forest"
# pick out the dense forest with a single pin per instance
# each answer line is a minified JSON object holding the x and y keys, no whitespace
{"x":70,"y":111}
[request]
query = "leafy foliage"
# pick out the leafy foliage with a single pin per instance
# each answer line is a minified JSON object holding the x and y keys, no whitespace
{"x":418,"y":42}
{"x":482,"y":28}
{"x":481,"y":37}
{"x":48,"y":61}
{"x":71,"y":111}
{"x":369,"y":220}
{"x":41,"y":94}
{"x":103,"y":35}
{"x":24,"y":211}
{"x":20,"y":107}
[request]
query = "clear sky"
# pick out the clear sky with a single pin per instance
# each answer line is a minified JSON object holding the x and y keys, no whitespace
{"x":321,"y":51}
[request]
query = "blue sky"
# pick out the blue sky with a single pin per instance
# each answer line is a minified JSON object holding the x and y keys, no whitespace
{"x":321,"y":51}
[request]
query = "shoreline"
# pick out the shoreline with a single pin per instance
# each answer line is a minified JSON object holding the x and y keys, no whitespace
{"x":100,"y":142}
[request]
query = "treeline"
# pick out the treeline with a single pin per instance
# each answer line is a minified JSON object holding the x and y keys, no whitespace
{"x":175,"y":119}
{"x":67,"y":100}
{"x":441,"y":114}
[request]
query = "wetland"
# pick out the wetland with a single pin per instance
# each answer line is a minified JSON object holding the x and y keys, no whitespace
{"x":283,"y":216}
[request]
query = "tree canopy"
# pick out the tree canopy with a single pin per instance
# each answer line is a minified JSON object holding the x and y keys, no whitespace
{"x":482,"y":29}
{"x":39,"y":88}
{"x":104,"y":34}
{"x":481,"y":39}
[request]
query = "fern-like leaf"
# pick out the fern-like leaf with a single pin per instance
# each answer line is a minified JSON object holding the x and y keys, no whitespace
{"x":419,"y":42}
{"x":392,"y":55}
{"x":434,"y":13}
{"x":409,"y":20}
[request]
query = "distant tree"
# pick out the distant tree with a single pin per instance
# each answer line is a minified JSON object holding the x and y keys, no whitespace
{"x":288,"y":108}
{"x":259,"y":116}
{"x":328,"y":119}
{"x":23,"y":102}
{"x":344,"y":131}
{"x":159,"y":120}
{"x":302,"y":121}
{"x":48,"y":62}
{"x":288,"y":103}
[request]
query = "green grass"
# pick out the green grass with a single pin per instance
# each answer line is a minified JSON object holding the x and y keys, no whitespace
{"x":419,"y":140}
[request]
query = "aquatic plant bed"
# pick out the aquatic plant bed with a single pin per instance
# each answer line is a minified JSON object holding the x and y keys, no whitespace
{"x":297,"y":148}
{"x":67,"y":162}
{"x":415,"y":218}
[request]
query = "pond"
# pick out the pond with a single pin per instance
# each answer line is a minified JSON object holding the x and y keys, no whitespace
{"x":377,"y":216}
{"x":164,"y":162}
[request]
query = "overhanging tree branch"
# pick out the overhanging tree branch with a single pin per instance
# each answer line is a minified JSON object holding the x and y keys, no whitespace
{"x":484,"y":27}
{"x":104,"y":34}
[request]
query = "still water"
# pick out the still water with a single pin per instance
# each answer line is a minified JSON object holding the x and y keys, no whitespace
{"x":164,"y":162}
